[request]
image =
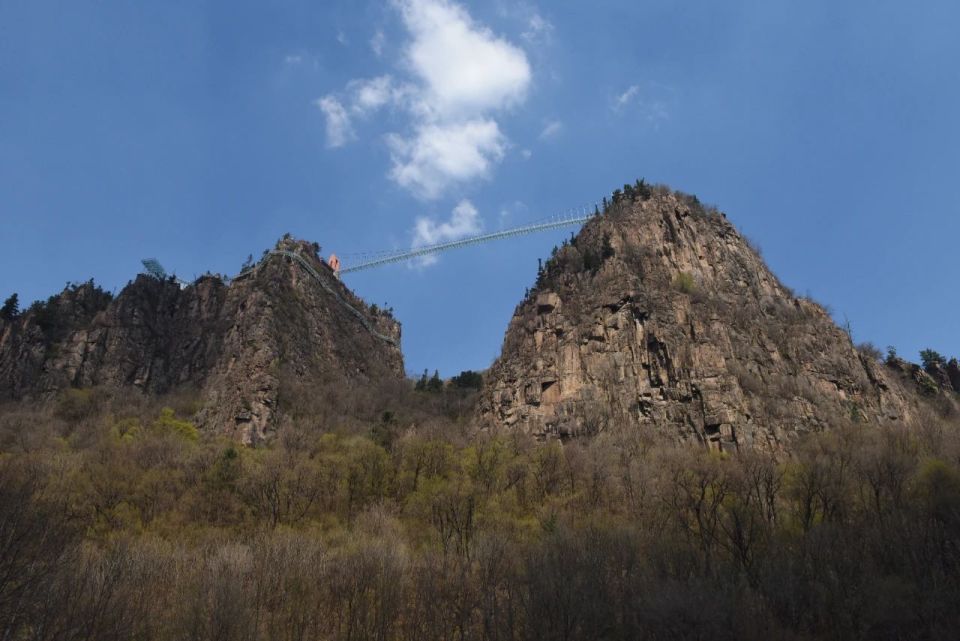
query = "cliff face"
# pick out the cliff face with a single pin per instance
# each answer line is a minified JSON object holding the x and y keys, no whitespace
{"x":660,"y":316}
{"x":229,"y":341}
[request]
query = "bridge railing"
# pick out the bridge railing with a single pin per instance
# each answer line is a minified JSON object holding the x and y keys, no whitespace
{"x":465,"y":242}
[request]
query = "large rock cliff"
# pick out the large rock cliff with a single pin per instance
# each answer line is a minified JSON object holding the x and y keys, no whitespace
{"x":660,"y":316}
{"x":229,"y":341}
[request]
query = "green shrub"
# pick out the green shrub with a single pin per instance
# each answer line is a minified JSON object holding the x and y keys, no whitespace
{"x":932,"y":359}
{"x":927,"y":385}
{"x":683,"y":282}
{"x":606,"y":247}
{"x":169,"y":423}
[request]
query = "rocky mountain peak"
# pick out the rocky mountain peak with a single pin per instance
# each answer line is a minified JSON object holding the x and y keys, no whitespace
{"x":232,"y":342}
{"x":660,"y":316}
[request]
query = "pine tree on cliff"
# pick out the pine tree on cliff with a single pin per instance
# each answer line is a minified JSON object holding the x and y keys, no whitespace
{"x":435,"y":384}
{"x":421,"y":385}
{"x":932,"y":360}
{"x":11,"y":308}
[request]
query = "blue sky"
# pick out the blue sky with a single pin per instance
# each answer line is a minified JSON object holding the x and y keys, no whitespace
{"x":199,"y":132}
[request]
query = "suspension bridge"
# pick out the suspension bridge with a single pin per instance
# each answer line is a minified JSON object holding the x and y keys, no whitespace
{"x":370,"y":260}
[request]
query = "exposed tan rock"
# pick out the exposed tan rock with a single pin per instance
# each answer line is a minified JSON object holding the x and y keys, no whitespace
{"x":684,"y":333}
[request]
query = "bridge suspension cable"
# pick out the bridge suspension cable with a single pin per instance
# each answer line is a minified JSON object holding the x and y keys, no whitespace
{"x":579,"y":217}
{"x":154,"y":268}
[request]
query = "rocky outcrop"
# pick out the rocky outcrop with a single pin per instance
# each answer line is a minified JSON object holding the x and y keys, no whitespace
{"x":659,"y":316}
{"x":953,"y":373}
{"x":229,"y":341}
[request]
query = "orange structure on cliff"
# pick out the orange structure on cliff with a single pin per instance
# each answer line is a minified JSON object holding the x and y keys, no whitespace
{"x":334,"y":263}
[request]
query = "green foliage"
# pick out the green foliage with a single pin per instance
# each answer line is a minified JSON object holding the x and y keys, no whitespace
{"x":891,"y":354}
{"x":78,"y":302}
{"x":574,"y":255}
{"x":606,"y":247}
{"x":167,"y":422}
{"x":856,"y":413}
{"x":332,"y":533}
{"x":928,"y":386}
{"x":932,"y":360}
{"x":938,"y":490}
{"x":642,"y":190}
{"x":467,"y":379}
{"x":126,"y":429}
{"x":11,"y":308}
{"x":421,"y":385}
{"x":592,"y":261}
{"x":637,"y":191}
{"x":385,"y":432}
{"x":226,"y":470}
{"x":684,"y":282}
{"x":435,"y":384}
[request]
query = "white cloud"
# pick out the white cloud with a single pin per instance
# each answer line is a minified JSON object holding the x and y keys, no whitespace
{"x":293,"y":59}
{"x":536,"y":29}
{"x":464,"y":221}
{"x":378,"y":42}
{"x":342,"y":38}
{"x":464,"y":67}
{"x":460,"y":75}
{"x":651,"y":104}
{"x":655,"y":112}
{"x":370,"y":95}
{"x":526,"y":154}
{"x":624,"y":99}
{"x":517,"y":207}
{"x":440,"y":154}
{"x":363,"y":98}
{"x":339,"y":129}
{"x":552,"y":129}
{"x":539,"y":30}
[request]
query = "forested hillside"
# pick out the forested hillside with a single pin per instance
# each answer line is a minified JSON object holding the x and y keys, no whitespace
{"x":395,"y":520}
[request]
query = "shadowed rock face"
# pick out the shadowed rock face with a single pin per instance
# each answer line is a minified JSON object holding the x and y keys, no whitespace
{"x":953,"y":373}
{"x":229,"y":341}
{"x":661,"y":317}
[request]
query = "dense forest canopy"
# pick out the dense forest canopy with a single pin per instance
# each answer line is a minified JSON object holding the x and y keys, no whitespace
{"x":120,"y":520}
